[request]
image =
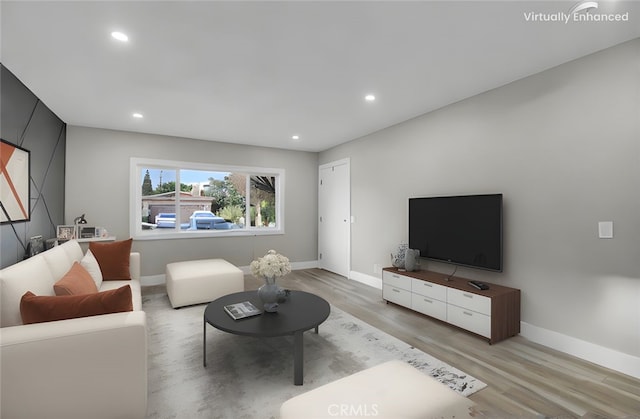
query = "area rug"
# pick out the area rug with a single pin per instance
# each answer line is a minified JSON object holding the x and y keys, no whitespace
{"x":248,"y":378}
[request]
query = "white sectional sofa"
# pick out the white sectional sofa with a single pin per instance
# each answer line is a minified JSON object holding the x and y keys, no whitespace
{"x":89,"y":367}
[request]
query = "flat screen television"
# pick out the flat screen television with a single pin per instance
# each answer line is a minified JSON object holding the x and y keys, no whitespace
{"x":461,"y":230}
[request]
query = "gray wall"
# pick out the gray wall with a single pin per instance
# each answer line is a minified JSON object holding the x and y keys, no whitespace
{"x":28,"y":123}
{"x":563,"y":146}
{"x":97,"y":184}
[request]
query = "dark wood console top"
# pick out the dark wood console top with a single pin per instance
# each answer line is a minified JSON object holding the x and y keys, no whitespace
{"x":454,"y":282}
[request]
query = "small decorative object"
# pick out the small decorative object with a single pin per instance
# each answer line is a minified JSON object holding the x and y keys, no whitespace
{"x":65,"y":233}
{"x":411,"y":259}
{"x":283,"y":294}
{"x":85,"y":232}
{"x":242,"y":310}
{"x":270,"y":267}
{"x":35,"y":246}
{"x":80,"y":220}
{"x":397,"y":260}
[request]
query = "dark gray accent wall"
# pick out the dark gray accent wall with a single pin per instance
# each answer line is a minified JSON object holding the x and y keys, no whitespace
{"x":29,"y":123}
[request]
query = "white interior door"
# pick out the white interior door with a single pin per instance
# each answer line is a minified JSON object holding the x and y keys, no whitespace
{"x":334,"y":222}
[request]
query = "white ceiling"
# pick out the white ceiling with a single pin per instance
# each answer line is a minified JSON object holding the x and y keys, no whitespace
{"x":259,"y":72}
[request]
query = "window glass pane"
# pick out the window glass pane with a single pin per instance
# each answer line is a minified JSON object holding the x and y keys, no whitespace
{"x":195,"y":206}
{"x":230,"y":198}
{"x":213,"y":202}
{"x":158,"y":197}
{"x":263,"y":201}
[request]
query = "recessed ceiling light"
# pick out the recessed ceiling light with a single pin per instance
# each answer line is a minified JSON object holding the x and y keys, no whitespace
{"x":137,"y":115}
{"x":295,"y":137}
{"x":369,"y":98}
{"x":120,"y":36}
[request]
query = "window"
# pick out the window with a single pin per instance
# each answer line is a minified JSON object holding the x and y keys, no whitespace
{"x":176,"y":199}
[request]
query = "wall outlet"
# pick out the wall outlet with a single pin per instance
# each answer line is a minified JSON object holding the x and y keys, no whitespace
{"x":605,"y":229}
{"x":377,"y":269}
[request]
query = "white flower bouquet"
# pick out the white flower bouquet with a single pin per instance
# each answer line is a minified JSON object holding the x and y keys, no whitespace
{"x":270,"y":265}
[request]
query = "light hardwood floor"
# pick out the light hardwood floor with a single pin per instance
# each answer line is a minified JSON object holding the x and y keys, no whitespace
{"x":524,"y":379}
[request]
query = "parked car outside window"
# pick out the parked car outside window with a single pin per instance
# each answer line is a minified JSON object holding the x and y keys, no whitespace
{"x":166,"y":220}
{"x":206,"y":220}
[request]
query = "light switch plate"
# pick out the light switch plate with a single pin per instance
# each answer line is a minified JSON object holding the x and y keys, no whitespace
{"x":605,"y":229}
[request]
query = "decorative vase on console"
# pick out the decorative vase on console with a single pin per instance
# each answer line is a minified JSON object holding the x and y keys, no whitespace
{"x":397,"y":260}
{"x":270,"y":267}
{"x":411,"y":259}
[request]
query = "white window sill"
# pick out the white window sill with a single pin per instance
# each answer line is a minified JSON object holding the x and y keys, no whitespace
{"x":168,"y":234}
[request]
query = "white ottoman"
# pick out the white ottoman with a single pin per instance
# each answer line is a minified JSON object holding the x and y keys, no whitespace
{"x":201,"y":281}
{"x":391,"y":390}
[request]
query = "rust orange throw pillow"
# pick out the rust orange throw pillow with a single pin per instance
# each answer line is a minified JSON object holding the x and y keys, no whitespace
{"x":113,"y":258}
{"x":38,"y":309}
{"x":75,"y":282}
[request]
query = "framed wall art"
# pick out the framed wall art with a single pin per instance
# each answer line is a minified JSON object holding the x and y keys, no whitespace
{"x":15,"y":205}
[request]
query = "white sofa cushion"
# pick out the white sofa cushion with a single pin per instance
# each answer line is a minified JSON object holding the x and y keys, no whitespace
{"x":61,"y":258}
{"x":15,"y":280}
{"x":74,"y":251}
{"x":90,"y":263}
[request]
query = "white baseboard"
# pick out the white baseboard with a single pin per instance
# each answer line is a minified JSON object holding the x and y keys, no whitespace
{"x":304,"y":265}
{"x":150,"y":280}
{"x":606,"y":357}
{"x":372,"y":281}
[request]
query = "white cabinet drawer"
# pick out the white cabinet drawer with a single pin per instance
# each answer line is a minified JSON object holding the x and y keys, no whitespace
{"x":470,"y":301}
{"x":469,"y":320}
{"x":396,"y":295}
{"x":429,"y":289}
{"x":396,"y":280}
{"x":429,"y":306}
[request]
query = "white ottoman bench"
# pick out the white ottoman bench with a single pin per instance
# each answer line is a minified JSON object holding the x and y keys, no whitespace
{"x":392,"y":390}
{"x":201,"y":281}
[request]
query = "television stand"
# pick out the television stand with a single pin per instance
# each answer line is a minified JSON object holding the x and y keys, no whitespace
{"x":493,"y":314}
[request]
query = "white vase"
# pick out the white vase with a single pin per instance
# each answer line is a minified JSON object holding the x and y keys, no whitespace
{"x":268,"y":294}
{"x":397,"y":260}
{"x":411,"y":259}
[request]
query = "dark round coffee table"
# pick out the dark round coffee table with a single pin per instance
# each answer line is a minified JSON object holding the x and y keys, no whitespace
{"x":301,"y":311}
